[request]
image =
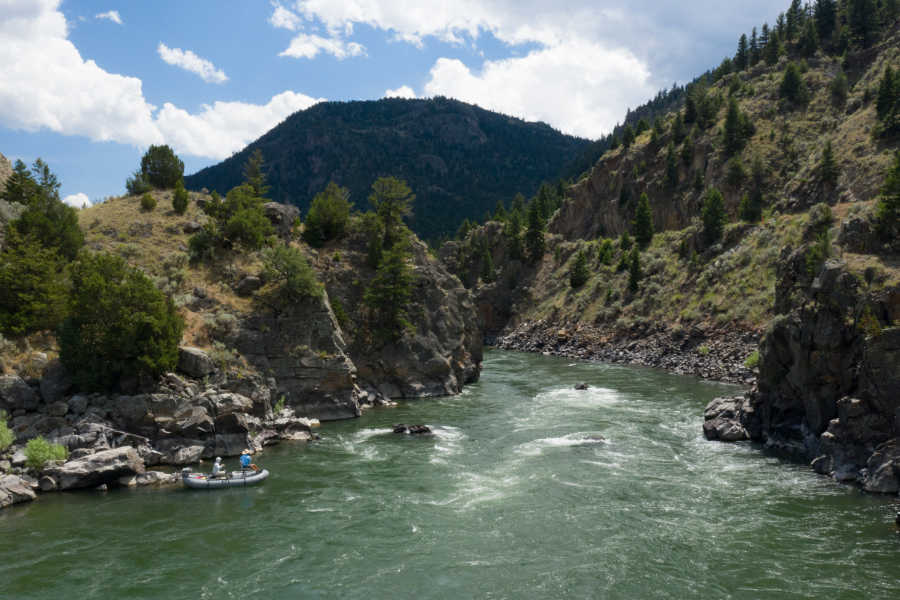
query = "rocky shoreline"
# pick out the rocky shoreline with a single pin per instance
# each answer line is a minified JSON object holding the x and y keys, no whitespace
{"x":702,"y":352}
{"x":118,"y":439}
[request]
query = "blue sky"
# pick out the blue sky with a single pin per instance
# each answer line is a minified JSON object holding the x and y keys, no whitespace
{"x":88,"y":85}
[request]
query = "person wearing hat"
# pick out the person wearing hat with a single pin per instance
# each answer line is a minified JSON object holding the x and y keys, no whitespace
{"x":218,"y":471}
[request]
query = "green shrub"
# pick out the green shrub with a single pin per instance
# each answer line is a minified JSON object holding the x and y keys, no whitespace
{"x":579,"y":274}
{"x":39,"y":451}
{"x":328,"y":215}
{"x":753,"y":360}
{"x":160,"y":167}
{"x":32,"y":290}
{"x":703,"y":350}
{"x":288,"y":267}
{"x":643,"y":222}
{"x":713,"y":216}
{"x":6,"y":434}
{"x":180,"y":198}
{"x":119,"y":324}
{"x":137,"y":185}
{"x":148,"y":202}
{"x":792,"y":87}
{"x":887,"y":211}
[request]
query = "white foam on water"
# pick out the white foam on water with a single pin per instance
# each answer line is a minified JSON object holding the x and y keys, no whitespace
{"x":537,"y":447}
{"x":480,"y":488}
{"x":318,"y":510}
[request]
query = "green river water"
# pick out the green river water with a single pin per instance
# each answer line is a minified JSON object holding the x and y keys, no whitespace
{"x":511,"y":498}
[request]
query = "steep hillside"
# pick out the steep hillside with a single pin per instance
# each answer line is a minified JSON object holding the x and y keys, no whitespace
{"x":458,"y":159}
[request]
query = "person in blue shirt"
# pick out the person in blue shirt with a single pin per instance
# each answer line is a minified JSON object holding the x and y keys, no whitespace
{"x":245,"y":461}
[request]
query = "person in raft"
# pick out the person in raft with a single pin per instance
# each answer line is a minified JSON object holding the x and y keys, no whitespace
{"x":245,"y":461}
{"x":218,"y":471}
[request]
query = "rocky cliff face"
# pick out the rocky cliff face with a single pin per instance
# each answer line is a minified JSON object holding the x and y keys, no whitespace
{"x":8,"y":211}
{"x":829,"y":373}
{"x":442,"y":353}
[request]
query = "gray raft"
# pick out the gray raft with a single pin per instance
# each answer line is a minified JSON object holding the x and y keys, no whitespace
{"x":234,"y":479}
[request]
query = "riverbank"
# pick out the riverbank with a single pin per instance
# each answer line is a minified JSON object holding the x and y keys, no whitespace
{"x":714,"y":354}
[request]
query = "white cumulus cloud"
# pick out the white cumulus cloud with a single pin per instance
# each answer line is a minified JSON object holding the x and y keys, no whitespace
{"x":111,"y":15}
{"x":284,"y":19}
{"x":45,"y":84}
{"x":308,"y":45}
{"x":578,"y":87}
{"x":79,"y":200}
{"x":187,"y":60}
{"x":404,"y":91}
{"x":226,"y":127}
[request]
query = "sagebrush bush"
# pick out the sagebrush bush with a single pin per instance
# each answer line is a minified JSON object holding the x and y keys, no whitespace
{"x":38,"y":452}
{"x":6,"y":434}
{"x":148,"y":202}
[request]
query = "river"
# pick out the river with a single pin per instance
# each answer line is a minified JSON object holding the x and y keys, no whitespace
{"x":515,"y":496}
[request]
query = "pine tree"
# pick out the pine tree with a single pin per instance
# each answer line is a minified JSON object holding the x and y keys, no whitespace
{"x":828,"y":168}
{"x":464,"y":228}
{"x":253,"y":174}
{"x":625,"y":241}
{"x":512,"y":231}
{"x":713,"y":216}
{"x":328,"y":215}
{"x":579,"y":274}
{"x":634,"y":270}
{"x":773,"y":49}
{"x":764,"y":37}
{"x":678,"y":129}
{"x":794,"y":19}
{"x":887,"y":211}
{"x":825,"y":15}
{"x":534,"y":235}
{"x":742,"y":57}
{"x":643,"y":222}
{"x":180,"y":198}
{"x":839,"y":88}
{"x":518,"y":204}
{"x":792,"y":86}
{"x":887,"y":93}
{"x":862,"y":18}
{"x":687,"y":150}
{"x":809,"y":40}
{"x":500,"y":211}
{"x":690,"y":107}
{"x":390,"y":292}
{"x":627,"y":136}
{"x":671,"y":167}
{"x":733,"y":134}
{"x":392,"y":200}
{"x":487,"y":263}
{"x":754,"y":48}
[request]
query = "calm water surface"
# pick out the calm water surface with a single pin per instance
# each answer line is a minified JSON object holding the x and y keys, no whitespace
{"x":512,"y":498}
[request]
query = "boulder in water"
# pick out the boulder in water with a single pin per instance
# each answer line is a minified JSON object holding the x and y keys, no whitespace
{"x":581,"y":386}
{"x":412,"y":429}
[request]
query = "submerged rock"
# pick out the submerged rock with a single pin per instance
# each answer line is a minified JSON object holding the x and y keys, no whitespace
{"x":412,"y":429}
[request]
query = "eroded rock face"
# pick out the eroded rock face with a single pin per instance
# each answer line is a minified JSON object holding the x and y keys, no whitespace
{"x":302,"y":349}
{"x":96,"y":469}
{"x":15,"y":394}
{"x":14,"y":489}
{"x":829,"y":377}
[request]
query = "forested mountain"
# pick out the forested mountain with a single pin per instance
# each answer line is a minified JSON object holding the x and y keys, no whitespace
{"x":458,"y":159}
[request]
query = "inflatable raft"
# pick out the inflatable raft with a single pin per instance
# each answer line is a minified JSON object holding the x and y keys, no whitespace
{"x":234,"y":479}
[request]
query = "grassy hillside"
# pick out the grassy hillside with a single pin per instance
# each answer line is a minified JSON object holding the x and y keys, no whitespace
{"x":458,"y":159}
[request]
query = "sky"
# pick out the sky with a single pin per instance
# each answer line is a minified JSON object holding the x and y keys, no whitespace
{"x":89,"y":85}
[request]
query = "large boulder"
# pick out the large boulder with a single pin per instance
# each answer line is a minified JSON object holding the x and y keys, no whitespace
{"x":55,"y":382}
{"x":16,"y":394}
{"x":13,"y":490}
{"x":282,"y":217}
{"x":194,"y":362}
{"x":96,"y":469}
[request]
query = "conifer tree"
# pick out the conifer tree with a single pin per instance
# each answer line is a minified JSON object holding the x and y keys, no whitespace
{"x":825,"y":15}
{"x":625,"y":241}
{"x":518,"y":204}
{"x":887,"y":211}
{"x":671,"y":167}
{"x":687,"y":150}
{"x":773,"y":49}
{"x":809,"y":40}
{"x":838,"y":89}
{"x":487,"y":263}
{"x":534,"y":235}
{"x":742,"y":57}
{"x":634,"y":270}
{"x":392,"y":200}
{"x":627,"y":136}
{"x":579,"y":274}
{"x":678,"y":129}
{"x":390,"y":291}
{"x":754,"y":48}
{"x":690,"y":107}
{"x":643,"y":222}
{"x":713,"y":216}
{"x":464,"y":228}
{"x":253,"y":174}
{"x":794,"y":19}
{"x":512,"y":231}
{"x":180,"y":198}
{"x":764,"y":37}
{"x":887,"y":93}
{"x":792,"y":86}
{"x":828,"y":169}
{"x":862,"y":18}
{"x":500,"y":211}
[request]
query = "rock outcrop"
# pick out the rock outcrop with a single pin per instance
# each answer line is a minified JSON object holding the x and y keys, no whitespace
{"x":96,"y":469}
{"x":829,"y":374}
{"x":14,"y":489}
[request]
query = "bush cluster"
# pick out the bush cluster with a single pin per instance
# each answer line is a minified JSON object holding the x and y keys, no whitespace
{"x":38,"y":452}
